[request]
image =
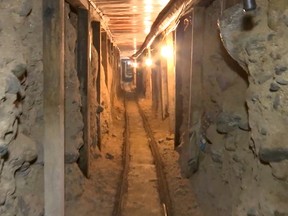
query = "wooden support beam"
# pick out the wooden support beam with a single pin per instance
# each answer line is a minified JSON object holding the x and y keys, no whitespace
{"x":156,"y":86}
{"x":104,"y":53}
{"x":182,"y":73}
{"x":84,"y":4}
{"x":109,"y":51}
{"x":164,"y":88}
{"x":96,"y":29}
{"x":53,"y":68}
{"x":113,"y":58}
{"x":190,"y":161}
{"x":83,"y":53}
{"x":170,"y":40}
{"x":196,"y":71}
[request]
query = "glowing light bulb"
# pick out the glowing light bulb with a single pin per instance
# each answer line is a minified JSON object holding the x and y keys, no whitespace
{"x":164,"y":2}
{"x":167,"y":51}
{"x":147,"y":29}
{"x":135,"y":64}
{"x":149,"y":62}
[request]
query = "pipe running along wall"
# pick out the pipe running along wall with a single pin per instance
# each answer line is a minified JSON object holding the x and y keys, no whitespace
{"x":168,"y":17}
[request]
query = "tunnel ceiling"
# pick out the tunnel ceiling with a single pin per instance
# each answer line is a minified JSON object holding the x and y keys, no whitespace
{"x":130,"y":20}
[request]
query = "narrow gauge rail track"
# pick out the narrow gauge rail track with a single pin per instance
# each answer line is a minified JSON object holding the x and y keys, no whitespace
{"x":123,"y":185}
{"x":163,"y":188}
{"x":162,"y":185}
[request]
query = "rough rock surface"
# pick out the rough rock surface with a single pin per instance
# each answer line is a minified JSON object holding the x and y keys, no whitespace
{"x":261,"y":51}
{"x":73,"y":117}
{"x":257,"y":41}
{"x":20,"y":106}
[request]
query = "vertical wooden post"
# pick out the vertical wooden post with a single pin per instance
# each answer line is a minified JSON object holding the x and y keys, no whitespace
{"x":83,"y":53}
{"x":53,"y":67}
{"x":114,"y":75}
{"x":190,"y":160}
{"x":109,"y":51}
{"x":171,"y":82}
{"x":104,"y":52}
{"x":111,"y":54}
{"x":196,"y":74}
{"x":164,"y":88}
{"x":148,"y":79}
{"x":183,"y":44}
{"x":156,"y":87}
{"x":96,"y":27}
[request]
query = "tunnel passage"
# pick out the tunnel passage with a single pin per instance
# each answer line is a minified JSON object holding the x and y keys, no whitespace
{"x":212,"y":88}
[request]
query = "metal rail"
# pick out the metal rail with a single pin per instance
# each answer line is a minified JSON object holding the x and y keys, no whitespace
{"x":163,"y":188}
{"x":123,"y":184}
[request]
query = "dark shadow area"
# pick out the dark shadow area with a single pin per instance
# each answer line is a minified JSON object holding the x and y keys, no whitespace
{"x":233,"y":64}
{"x":248,"y":22}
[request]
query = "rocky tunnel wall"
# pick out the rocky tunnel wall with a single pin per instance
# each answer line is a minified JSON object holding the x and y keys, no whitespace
{"x":231,"y":148}
{"x":21,"y":112}
{"x":21,"y":108}
{"x":256,"y":42}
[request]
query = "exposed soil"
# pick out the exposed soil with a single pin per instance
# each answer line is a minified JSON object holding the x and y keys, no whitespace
{"x":181,"y":192}
{"x":100,"y":189}
{"x":142,"y":197}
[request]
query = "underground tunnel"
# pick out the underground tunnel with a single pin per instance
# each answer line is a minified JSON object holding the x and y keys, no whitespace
{"x":143,"y":108}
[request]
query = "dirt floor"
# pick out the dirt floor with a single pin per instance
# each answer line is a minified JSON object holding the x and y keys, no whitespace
{"x":142,"y":197}
{"x":99,"y":191}
{"x":181,"y":192}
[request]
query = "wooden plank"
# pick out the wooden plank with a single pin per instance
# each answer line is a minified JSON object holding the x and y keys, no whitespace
{"x":164,"y":88}
{"x":104,"y":53}
{"x":53,"y":67}
{"x":84,"y":4}
{"x":96,"y":28}
{"x":196,"y":71}
{"x":83,"y":53}
{"x":155,"y":87}
{"x":190,"y":161}
{"x":171,"y":82}
{"x":109,"y":51}
{"x":182,"y":73}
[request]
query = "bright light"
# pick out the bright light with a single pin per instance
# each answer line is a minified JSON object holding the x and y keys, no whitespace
{"x":164,"y":2}
{"x":128,"y":62}
{"x":167,"y":51}
{"x":134,"y":8}
{"x":135,"y":64}
{"x":147,"y":30}
{"x":148,"y":62}
{"x":148,"y":8}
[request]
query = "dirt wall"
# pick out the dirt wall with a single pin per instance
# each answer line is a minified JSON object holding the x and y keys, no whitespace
{"x":227,"y":169}
{"x":243,"y":159}
{"x":257,"y":41}
{"x":224,"y":137}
